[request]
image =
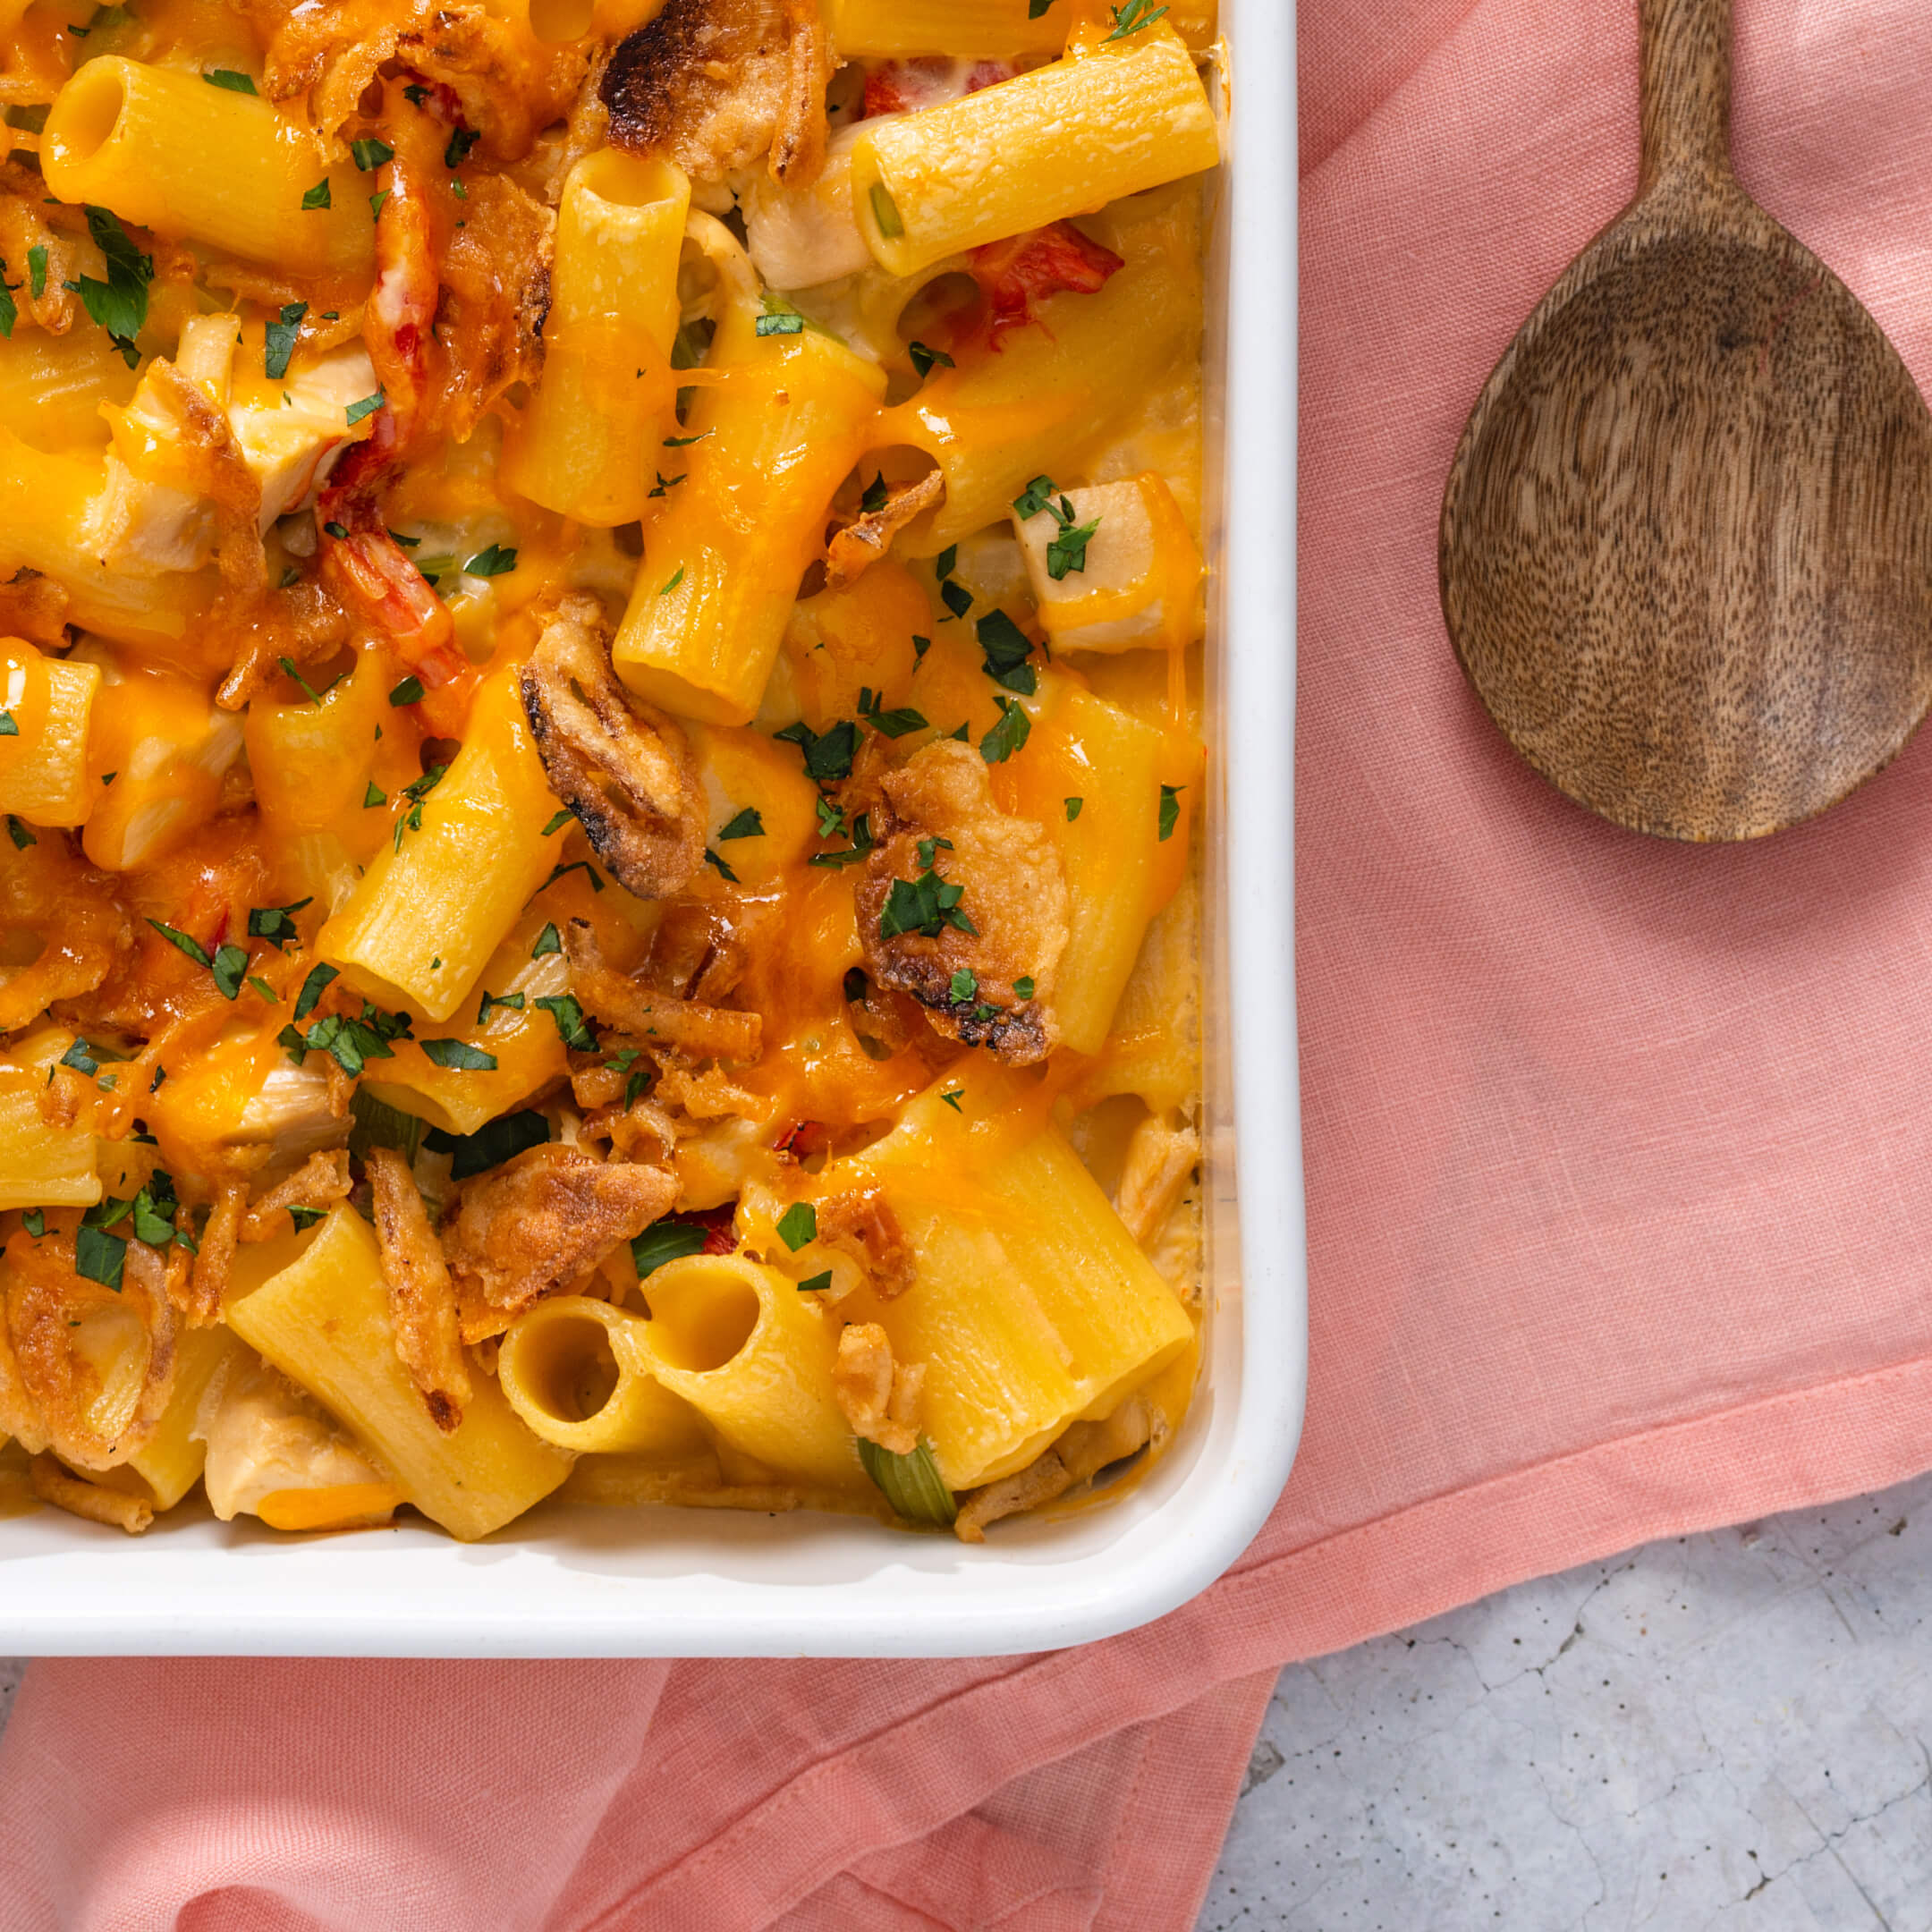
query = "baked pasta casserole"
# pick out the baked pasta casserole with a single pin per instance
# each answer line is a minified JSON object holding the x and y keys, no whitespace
{"x":600,"y":605}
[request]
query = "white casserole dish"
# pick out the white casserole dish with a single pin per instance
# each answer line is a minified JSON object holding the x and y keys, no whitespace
{"x":596,"y":1582}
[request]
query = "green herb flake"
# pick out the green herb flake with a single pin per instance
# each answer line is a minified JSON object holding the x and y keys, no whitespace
{"x":1007,"y":649}
{"x":1023,"y":987}
{"x":1133,"y":17}
{"x":577,"y":865}
{"x":560,"y":819}
{"x":748,"y":824}
{"x":36,"y":261}
{"x":546,"y":942}
{"x":378,"y":201}
{"x":926,"y":905}
{"x":952,"y":1096}
{"x":1037,"y":496}
{"x":9,"y":728}
{"x":799,"y":1226}
{"x":455,"y":1056}
{"x":1068,"y":550}
{"x":316,"y":196}
{"x":313,"y":989}
{"x":492,"y":1144}
{"x":279,"y":340}
{"x":35,"y":1222}
{"x":461,"y":141}
{"x":926,"y":360}
{"x":1075,"y":806}
{"x":1007,"y":737}
{"x":230,"y":967}
{"x":368,"y":406}
{"x":672,"y":581}
{"x":723,"y":871}
{"x":492,"y":561}
{"x":510,"y":1001}
{"x":374,"y":796}
{"x":829,"y":754}
{"x":184,"y":943}
{"x":573,"y":1029}
{"x":275,"y":923}
{"x":19,"y":833}
{"x":80,"y":1057}
{"x":956,"y":597}
{"x":99,"y":1256}
{"x":408,"y":692}
{"x":889,"y":724}
{"x":875,"y":496}
{"x":226,"y":77}
{"x":666,"y":1241}
{"x":305,"y":1218}
{"x":780,"y":324}
{"x":370,"y":154}
{"x":816,"y":1284}
{"x":1170,"y":810}
{"x":963,"y":985}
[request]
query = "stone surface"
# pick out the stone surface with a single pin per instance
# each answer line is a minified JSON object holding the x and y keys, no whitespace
{"x":1730,"y":1732}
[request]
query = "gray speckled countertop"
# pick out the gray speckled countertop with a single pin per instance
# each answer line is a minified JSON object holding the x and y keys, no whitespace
{"x":1731,"y":1731}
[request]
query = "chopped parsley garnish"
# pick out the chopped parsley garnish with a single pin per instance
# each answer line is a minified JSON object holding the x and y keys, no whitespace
{"x":666,"y":1241}
{"x":313,"y":695}
{"x":99,"y":1256}
{"x":716,"y":861}
{"x":926,"y":904}
{"x":8,"y":308}
{"x":1073,"y":808}
{"x":1037,"y":496}
{"x":963,"y":985}
{"x":511,"y":1002}
{"x":409,"y":691}
{"x":339,"y":531}
{"x":36,"y":259}
{"x":370,"y":154}
{"x":947,"y":561}
{"x":746,"y":825}
{"x":926,"y":360}
{"x":275,"y":923}
{"x":921,"y":646}
{"x":573,"y":1029}
{"x":956,"y":597}
{"x":1036,"y":9}
{"x":35,"y":1222}
{"x":183,"y":942}
{"x":350,"y":1042}
{"x":798,"y":1225}
{"x":119,"y":304}
{"x":9,"y":728}
{"x":672,"y":582}
{"x":1068,"y":550}
{"x":262,"y":987}
{"x":562,"y":818}
{"x":889,"y":724}
{"x":874,"y":497}
{"x":229,"y":966}
{"x":374,"y":796}
{"x":546,"y":942}
{"x":686,"y":442}
{"x":1170,"y":810}
{"x":492,"y":561}
{"x":952,"y":1096}
{"x":462,"y":139}
{"x":816,"y":1284}
{"x":664,"y":485}
{"x":861,"y":843}
{"x":316,"y":196}
{"x":1007,"y":650}
{"x":577,"y":865}
{"x":279,"y":340}
{"x":368,"y":406}
{"x":305,"y":1218}
{"x":1025,"y":987}
{"x":226,"y":77}
{"x":1133,"y":17}
{"x":829,"y":754}
{"x":80,"y":1057}
{"x":492,"y":1144}
{"x":411,"y":820}
{"x":886,"y":213}
{"x":1009,"y":734}
{"x":313,"y":989}
{"x":17,"y":832}
{"x":460,"y":1057}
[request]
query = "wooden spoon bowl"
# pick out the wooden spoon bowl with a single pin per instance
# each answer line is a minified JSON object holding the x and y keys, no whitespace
{"x":1687,"y":538}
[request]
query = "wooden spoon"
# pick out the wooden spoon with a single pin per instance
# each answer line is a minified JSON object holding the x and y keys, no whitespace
{"x":1687,"y":538}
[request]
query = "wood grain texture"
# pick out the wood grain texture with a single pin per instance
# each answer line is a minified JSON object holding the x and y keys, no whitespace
{"x":1686,"y":545}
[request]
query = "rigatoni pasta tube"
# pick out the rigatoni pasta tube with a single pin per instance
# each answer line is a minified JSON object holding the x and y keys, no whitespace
{"x":1064,"y":139}
{"x":44,"y":704}
{"x":605,"y":404}
{"x":577,"y":1372}
{"x":196,"y":162}
{"x":169,"y":1463}
{"x":322,"y":1317}
{"x":41,"y":1167}
{"x":737,"y":1341}
{"x":721,"y":563}
{"x":437,"y":901}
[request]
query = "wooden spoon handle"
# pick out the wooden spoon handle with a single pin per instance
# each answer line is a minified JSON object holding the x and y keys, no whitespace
{"x":1686,"y":90}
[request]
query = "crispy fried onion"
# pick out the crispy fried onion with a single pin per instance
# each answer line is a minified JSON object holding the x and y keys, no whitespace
{"x":939,"y":826}
{"x":65,"y":1491}
{"x":660,"y":1021}
{"x":1083,"y":1451}
{"x":882,"y":1398}
{"x":96,"y":1365}
{"x":48,"y":892}
{"x":861,"y":542}
{"x":642,"y":1132}
{"x":200,"y":1294}
{"x":542,"y":1225}
{"x":622,"y":766}
{"x":714,"y":84}
{"x":861,"y":1223}
{"x":422,"y":1304}
{"x":501,"y":80}
{"x":320,"y":1181}
{"x":34,"y":608}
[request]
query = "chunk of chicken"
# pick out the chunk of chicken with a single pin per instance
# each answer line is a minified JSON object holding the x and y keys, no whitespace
{"x":265,"y":1435}
{"x":960,"y":905}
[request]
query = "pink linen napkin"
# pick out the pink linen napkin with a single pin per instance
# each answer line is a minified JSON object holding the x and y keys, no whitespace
{"x":1616,"y":1159}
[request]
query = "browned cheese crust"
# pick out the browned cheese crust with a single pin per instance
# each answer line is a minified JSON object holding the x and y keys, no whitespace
{"x":1015,"y":896}
{"x":624,"y":769}
{"x":714,"y":84}
{"x":542,"y":1225}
